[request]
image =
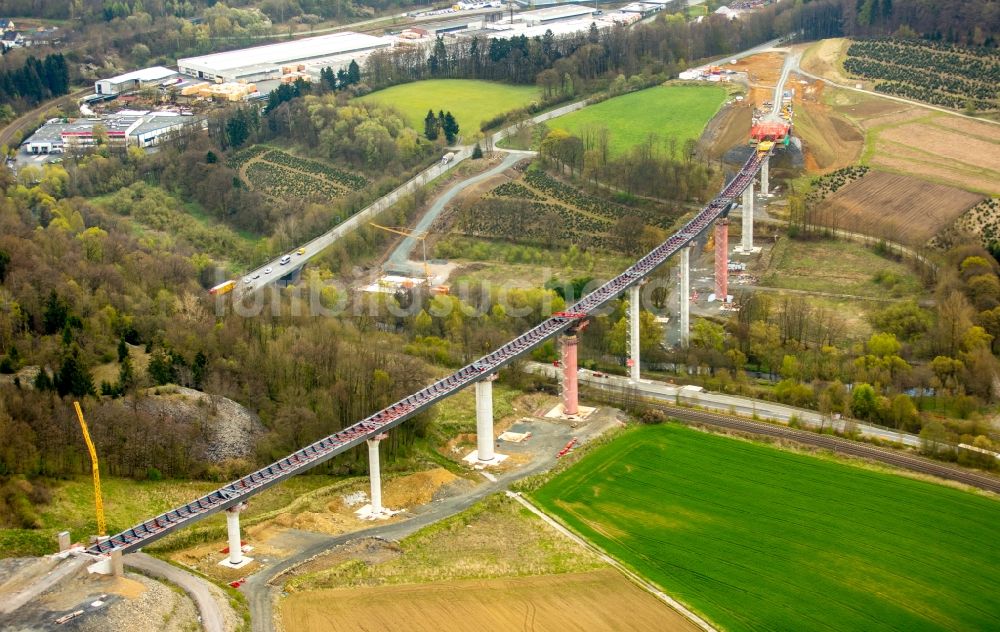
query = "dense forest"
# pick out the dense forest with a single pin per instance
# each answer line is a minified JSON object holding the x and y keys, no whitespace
{"x":34,"y":81}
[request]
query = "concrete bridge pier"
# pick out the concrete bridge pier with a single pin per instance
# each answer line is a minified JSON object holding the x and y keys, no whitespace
{"x":685,"y":292}
{"x":764,"y":169}
{"x":375,"y":475}
{"x":746,"y":242}
{"x":722,"y":260}
{"x":484,"y":420}
{"x":236,"y":558}
{"x":633,"y":332}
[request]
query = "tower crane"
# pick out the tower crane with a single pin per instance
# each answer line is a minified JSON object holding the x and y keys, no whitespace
{"x":98,"y":503}
{"x":405,"y":232}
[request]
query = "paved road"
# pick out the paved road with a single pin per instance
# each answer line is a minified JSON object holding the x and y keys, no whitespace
{"x":259,"y":278}
{"x":200,"y":591}
{"x":547,"y":438}
{"x":58,"y":570}
{"x":274,"y":270}
{"x":400,"y":257}
{"x":746,"y":406}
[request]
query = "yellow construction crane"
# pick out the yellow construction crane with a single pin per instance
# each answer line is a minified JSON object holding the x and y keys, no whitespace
{"x":98,"y":503}
{"x":422,"y":236}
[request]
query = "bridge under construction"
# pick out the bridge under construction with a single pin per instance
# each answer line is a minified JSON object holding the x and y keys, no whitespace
{"x":232,"y":497}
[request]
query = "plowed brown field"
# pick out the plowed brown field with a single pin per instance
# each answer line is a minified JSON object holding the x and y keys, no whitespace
{"x":597,"y":600}
{"x":896,"y":207}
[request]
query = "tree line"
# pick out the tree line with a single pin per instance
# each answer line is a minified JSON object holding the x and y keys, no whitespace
{"x":34,"y":81}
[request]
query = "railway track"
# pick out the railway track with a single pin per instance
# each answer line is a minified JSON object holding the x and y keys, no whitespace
{"x":888,"y":456}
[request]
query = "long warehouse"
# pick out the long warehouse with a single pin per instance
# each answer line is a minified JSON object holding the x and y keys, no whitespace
{"x":265,"y":62}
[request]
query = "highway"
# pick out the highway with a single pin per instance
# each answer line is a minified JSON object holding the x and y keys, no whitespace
{"x":312,"y":455}
{"x":259,"y":278}
{"x":271,"y":271}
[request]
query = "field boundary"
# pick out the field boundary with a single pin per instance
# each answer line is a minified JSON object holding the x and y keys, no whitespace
{"x":637,"y":579}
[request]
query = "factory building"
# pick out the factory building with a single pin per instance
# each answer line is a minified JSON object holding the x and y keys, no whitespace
{"x":132,"y":81}
{"x":544,"y":17}
{"x":265,"y":62}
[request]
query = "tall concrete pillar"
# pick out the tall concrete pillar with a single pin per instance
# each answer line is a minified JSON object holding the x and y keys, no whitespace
{"x":722,"y":259}
{"x":375,"y":473}
{"x":484,"y":419}
{"x":633,"y":331}
{"x":571,"y":404}
{"x":233,"y":530}
{"x":685,"y":292}
{"x":764,"y":169}
{"x":747,"y":237}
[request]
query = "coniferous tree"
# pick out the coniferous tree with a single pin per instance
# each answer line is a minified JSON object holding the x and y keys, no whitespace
{"x":353,"y":73}
{"x":431,"y":125}
{"x":73,"y":377}
{"x":450,"y":127}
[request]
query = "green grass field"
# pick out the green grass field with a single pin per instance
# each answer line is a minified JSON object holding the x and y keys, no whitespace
{"x":470,"y":102}
{"x":679,"y":112}
{"x":757,"y":538}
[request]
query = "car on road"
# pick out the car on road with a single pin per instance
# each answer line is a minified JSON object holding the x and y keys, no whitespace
{"x":300,"y":251}
{"x":599,"y":374}
{"x":256,"y":275}
{"x":267,"y":270}
{"x":247,"y":281}
{"x":285,"y":260}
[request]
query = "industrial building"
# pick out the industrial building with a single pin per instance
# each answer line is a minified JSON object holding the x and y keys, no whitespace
{"x":127,"y":128}
{"x":266,"y":62}
{"x":131,"y":81}
{"x":544,"y":17}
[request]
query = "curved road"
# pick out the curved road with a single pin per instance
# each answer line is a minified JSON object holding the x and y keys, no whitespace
{"x":401,"y":255}
{"x":261,"y":593}
{"x":200,"y":591}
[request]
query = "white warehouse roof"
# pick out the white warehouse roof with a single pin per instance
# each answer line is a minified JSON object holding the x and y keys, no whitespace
{"x":562,"y":12}
{"x":285,"y":52}
{"x":146,"y":74}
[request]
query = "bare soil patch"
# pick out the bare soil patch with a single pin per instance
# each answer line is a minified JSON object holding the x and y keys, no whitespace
{"x":596,"y":600}
{"x":729,"y":128}
{"x":830,"y":141}
{"x":961,"y":148}
{"x":825,"y":58}
{"x":901,"y":207}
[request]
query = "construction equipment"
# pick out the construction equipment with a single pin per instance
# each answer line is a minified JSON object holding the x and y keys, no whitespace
{"x":98,"y":503}
{"x":405,"y":232}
